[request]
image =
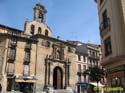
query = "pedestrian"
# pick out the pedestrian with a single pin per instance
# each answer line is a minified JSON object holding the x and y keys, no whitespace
{"x":0,"y":88}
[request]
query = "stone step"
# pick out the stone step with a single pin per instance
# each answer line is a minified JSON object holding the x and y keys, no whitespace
{"x":62,"y":91}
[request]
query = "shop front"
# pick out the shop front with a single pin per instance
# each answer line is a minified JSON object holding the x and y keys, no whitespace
{"x":21,"y":85}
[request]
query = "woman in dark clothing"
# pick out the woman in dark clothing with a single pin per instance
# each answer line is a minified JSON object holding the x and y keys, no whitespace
{"x":0,"y":88}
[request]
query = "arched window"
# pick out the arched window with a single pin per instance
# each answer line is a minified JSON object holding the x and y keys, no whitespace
{"x":46,"y":32}
{"x":39,"y":30}
{"x":32,"y":29}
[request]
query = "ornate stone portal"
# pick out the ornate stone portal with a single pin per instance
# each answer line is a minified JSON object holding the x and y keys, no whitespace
{"x":57,"y":68}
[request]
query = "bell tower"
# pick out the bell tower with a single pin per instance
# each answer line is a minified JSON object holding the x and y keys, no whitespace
{"x":40,"y":13}
{"x":38,"y":25}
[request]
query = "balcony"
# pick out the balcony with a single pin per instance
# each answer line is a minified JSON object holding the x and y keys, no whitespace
{"x":93,"y":56}
{"x":28,"y":46}
{"x":26,"y":60}
{"x":13,"y":44}
{"x":10,"y":73}
{"x":104,"y":27}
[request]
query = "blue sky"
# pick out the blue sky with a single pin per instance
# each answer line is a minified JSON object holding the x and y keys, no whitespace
{"x":69,"y":19}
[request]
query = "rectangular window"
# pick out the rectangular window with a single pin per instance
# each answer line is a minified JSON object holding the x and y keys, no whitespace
{"x":94,"y":63}
{"x":84,"y":58}
{"x":12,"y":53}
{"x":13,"y":41}
{"x":96,"y":54}
{"x":84,"y":67}
{"x":79,"y":68}
{"x":26,"y":70}
{"x":10,"y":70}
{"x":79,"y":58}
{"x":93,"y":54}
{"x":105,"y":21}
{"x":90,"y":63}
{"x":104,"y":15}
{"x":107,"y":46}
{"x":27,"y":56}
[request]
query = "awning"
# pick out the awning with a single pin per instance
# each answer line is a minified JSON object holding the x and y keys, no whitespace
{"x":26,"y":81}
{"x":82,"y":84}
{"x":95,"y":84}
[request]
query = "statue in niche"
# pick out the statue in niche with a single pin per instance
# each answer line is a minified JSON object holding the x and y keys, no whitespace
{"x":62,"y":53}
{"x":58,"y":52}
{"x":54,"y":52}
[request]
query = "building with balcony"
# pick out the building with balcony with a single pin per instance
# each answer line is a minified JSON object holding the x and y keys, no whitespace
{"x":112,"y":31}
{"x":81,"y":65}
{"x":18,"y":61}
{"x":87,"y":55}
{"x":93,"y":54}
{"x":31,"y":61}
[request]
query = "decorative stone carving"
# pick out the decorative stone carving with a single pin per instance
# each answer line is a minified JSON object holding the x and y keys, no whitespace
{"x":46,"y":43}
{"x":58,"y":51}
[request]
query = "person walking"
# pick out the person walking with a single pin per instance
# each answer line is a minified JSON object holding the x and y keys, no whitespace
{"x":0,"y":88}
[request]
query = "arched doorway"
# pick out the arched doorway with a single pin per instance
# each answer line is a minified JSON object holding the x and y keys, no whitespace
{"x":57,"y":78}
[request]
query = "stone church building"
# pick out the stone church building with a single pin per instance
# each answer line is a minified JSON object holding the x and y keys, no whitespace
{"x":32,"y":60}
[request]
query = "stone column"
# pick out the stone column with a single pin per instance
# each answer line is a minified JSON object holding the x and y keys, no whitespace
{"x":51,"y":74}
{"x":68,"y":67}
{"x":49,"y":67}
{"x":43,"y":17}
{"x":46,"y":68}
{"x":65,"y":75}
{"x":36,"y":14}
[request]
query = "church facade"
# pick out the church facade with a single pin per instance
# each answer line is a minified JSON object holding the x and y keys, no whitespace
{"x":32,"y":60}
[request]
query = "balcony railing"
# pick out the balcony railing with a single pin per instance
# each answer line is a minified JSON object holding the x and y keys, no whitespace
{"x":93,"y":56}
{"x":13,"y":44}
{"x":27,"y":60}
{"x":28,"y":46}
{"x":104,"y":25}
{"x":10,"y":72}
